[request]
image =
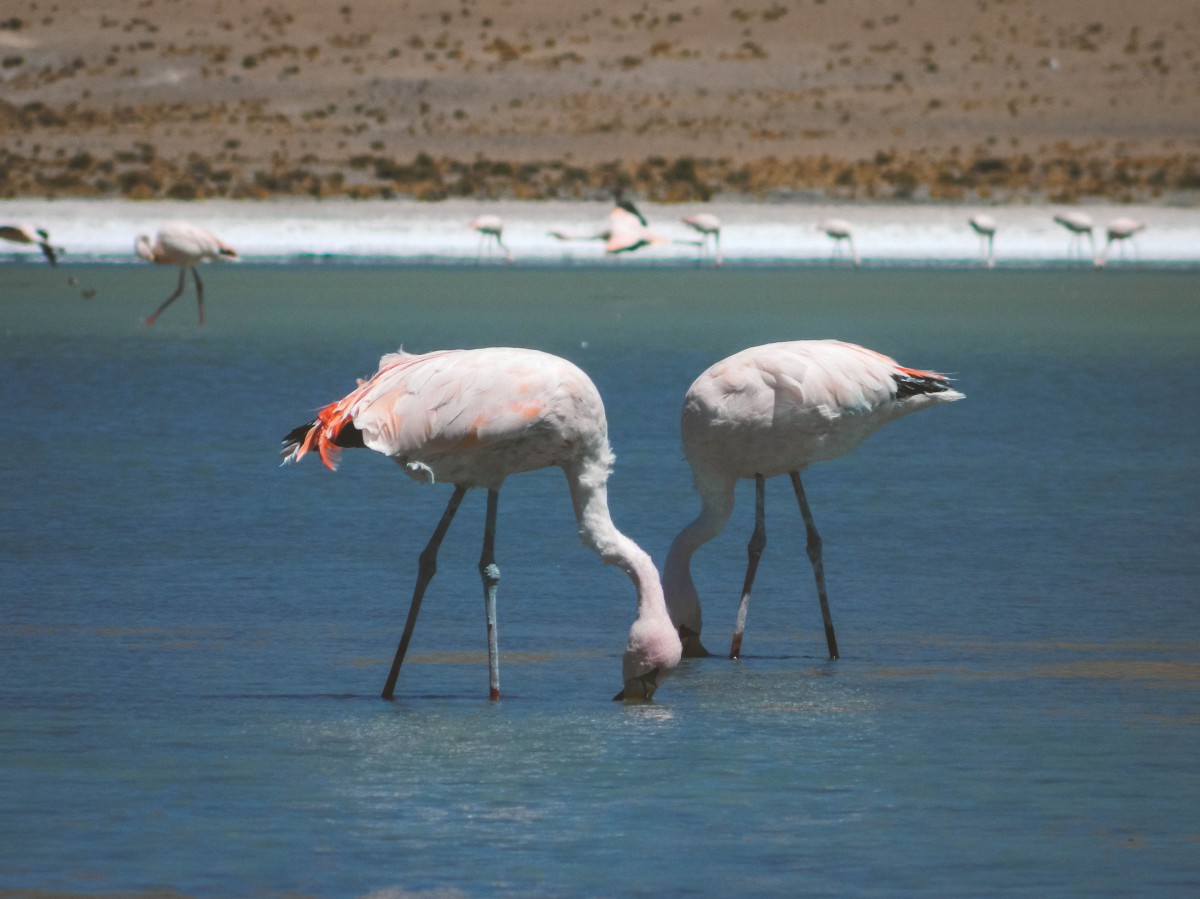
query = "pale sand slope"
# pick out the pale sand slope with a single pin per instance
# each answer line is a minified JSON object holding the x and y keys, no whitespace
{"x":260,"y":85}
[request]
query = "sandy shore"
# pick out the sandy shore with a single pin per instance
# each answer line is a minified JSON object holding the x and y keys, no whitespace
{"x":675,"y":101}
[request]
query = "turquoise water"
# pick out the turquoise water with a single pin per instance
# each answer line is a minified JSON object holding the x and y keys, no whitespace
{"x":194,"y":638}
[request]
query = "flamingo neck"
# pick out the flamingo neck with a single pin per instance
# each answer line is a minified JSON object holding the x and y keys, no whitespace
{"x":653,"y":646}
{"x":589,"y":492}
{"x":683,"y":602}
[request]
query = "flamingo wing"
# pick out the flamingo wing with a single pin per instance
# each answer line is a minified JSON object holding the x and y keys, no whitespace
{"x":480,"y":414}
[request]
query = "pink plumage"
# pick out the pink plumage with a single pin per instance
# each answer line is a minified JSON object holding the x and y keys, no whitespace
{"x":772,"y":410}
{"x":474,"y":417}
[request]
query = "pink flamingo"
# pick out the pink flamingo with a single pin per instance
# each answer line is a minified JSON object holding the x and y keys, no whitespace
{"x":186,"y":246}
{"x":706,"y":225}
{"x":1120,"y":229}
{"x":25,"y":233}
{"x":491,"y":228}
{"x":985,"y":226}
{"x":839,"y":230}
{"x":472,"y":418}
{"x":1079,"y":224}
{"x":624,"y":231}
{"x":772,"y":410}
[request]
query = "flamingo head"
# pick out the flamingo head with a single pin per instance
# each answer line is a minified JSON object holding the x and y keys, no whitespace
{"x":652,"y":653}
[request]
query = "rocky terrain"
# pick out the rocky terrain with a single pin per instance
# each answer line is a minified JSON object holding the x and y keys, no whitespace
{"x":1001,"y":100}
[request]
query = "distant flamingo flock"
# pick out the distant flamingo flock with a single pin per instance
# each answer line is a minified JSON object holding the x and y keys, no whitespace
{"x":624,"y":231}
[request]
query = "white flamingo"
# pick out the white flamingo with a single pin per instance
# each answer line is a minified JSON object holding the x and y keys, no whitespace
{"x":186,"y":246}
{"x":1078,"y":224}
{"x":1120,"y":230}
{"x":491,"y":229}
{"x":985,"y":226}
{"x":31,"y":234}
{"x":707,"y":226}
{"x":472,"y":418}
{"x":839,"y":231}
{"x":772,"y":410}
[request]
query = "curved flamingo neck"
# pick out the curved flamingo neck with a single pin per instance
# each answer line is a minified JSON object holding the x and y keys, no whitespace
{"x":683,"y":603}
{"x":589,"y":493}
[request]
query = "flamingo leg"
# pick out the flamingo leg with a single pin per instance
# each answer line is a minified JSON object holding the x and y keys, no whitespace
{"x":171,"y":299}
{"x":490,"y":572}
{"x":754,"y":551}
{"x":199,"y":293}
{"x":425,"y":571}
{"x":814,"y":556}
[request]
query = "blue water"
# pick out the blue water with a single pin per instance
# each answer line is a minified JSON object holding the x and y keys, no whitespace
{"x":193,"y":638}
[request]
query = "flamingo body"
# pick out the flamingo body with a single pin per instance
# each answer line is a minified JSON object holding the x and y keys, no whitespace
{"x":1118,"y":230}
{"x":985,"y":226}
{"x":474,"y":417}
{"x":187,"y":246}
{"x":707,"y":226}
{"x":628,"y":230}
{"x":491,"y":230}
{"x":772,"y":410}
{"x":30,"y":234}
{"x":840,"y":231}
{"x":1078,"y":224}
{"x":624,"y":231}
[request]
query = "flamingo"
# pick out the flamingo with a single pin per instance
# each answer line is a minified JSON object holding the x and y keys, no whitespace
{"x":707,"y":225}
{"x":472,"y":418}
{"x":985,"y":226}
{"x":186,"y":246}
{"x":26,"y":233}
{"x":771,"y":410}
{"x":491,"y":227}
{"x":1120,"y":229}
{"x":624,"y":231}
{"x":1079,"y":224}
{"x":839,"y":230}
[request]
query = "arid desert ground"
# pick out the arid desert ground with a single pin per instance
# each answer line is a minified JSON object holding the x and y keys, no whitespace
{"x":684,"y":100}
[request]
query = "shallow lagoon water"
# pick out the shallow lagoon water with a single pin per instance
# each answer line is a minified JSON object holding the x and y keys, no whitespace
{"x":195,"y":638}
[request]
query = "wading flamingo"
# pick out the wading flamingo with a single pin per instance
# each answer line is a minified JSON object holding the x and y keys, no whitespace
{"x":706,"y":225}
{"x":985,"y":226}
{"x":839,"y":230}
{"x":25,"y":233}
{"x":624,"y":231}
{"x":186,"y":246}
{"x":772,"y":410}
{"x":471,"y":418}
{"x":1121,"y":229}
{"x":1079,"y":224}
{"x":490,"y":228}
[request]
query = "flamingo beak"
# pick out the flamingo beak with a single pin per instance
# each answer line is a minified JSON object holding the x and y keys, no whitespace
{"x":640,"y":688}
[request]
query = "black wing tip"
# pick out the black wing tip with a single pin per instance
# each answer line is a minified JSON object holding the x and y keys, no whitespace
{"x":297,"y":435}
{"x":349,"y":437}
{"x":294,"y":440}
{"x":628,"y":206}
{"x":909,"y":384}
